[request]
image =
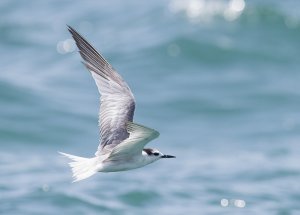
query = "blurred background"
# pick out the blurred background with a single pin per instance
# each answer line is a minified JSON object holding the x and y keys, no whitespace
{"x":219,"y":79}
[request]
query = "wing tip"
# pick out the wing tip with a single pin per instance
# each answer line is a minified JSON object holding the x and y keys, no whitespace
{"x":71,"y":30}
{"x":76,"y":36}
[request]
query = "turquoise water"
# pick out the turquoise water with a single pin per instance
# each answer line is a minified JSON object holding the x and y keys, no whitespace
{"x":219,"y":80}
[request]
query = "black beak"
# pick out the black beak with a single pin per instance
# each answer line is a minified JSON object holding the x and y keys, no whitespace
{"x":168,"y":156}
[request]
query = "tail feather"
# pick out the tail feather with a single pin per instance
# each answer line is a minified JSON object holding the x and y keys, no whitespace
{"x":82,"y":168}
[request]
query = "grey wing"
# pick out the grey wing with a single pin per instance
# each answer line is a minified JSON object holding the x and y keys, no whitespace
{"x":116,"y":102}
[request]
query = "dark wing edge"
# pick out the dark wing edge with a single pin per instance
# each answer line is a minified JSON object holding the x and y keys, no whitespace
{"x":93,"y":60}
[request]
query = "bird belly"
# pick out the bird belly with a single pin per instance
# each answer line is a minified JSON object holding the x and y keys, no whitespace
{"x":116,"y":166}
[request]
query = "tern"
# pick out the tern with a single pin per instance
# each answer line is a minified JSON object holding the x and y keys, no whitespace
{"x":122,"y":141}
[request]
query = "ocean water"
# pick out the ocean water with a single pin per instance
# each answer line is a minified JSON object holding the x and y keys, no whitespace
{"x":219,"y":80}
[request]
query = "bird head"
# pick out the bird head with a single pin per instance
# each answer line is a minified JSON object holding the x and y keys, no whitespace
{"x":155,"y":154}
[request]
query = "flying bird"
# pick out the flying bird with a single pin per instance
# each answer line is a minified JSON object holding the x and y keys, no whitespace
{"x":122,"y":141}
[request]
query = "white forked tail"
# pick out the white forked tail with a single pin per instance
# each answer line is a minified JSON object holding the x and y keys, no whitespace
{"x":82,"y":168}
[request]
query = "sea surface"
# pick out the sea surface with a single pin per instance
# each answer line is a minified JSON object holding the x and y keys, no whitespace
{"x":219,"y":79}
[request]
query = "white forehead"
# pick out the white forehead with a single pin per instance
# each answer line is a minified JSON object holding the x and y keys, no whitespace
{"x":155,"y":150}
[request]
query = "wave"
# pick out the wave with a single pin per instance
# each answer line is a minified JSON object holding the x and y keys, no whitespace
{"x":204,"y":11}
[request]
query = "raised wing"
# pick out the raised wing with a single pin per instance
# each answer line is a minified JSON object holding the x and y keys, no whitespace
{"x":116,"y":102}
{"x":139,"y":136}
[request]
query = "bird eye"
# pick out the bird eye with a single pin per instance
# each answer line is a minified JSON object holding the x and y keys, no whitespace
{"x":156,"y":153}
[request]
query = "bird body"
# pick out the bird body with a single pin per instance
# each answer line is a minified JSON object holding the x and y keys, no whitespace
{"x":122,"y":141}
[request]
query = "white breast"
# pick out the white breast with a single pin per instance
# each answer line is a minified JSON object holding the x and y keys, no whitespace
{"x":126,"y":163}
